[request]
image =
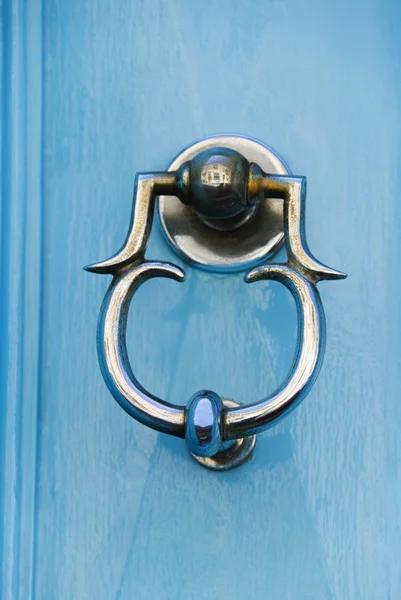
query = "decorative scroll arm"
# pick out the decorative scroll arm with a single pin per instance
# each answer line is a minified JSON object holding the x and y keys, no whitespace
{"x":147,"y":187}
{"x":293,"y":191}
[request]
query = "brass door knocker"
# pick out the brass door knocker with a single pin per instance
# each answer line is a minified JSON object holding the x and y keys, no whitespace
{"x":226,"y":203}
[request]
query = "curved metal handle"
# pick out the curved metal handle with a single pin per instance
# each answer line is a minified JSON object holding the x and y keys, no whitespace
{"x":207,"y":424}
{"x":113,"y":356}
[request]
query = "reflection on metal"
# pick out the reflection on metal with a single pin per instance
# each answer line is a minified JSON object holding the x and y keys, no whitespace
{"x":253,"y":231}
{"x":223,"y":191}
{"x":230,"y":454}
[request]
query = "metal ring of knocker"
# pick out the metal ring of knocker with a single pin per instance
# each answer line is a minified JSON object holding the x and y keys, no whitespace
{"x":226,"y":203}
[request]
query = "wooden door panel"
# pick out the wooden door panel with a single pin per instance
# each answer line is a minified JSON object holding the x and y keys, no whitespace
{"x":94,"y":505}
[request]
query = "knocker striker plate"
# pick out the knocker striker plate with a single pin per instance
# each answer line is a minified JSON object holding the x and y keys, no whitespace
{"x":233,"y":456}
{"x":225,"y":251}
{"x":226,"y":190}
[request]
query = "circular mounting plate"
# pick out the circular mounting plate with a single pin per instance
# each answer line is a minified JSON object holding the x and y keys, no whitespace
{"x":223,"y":251}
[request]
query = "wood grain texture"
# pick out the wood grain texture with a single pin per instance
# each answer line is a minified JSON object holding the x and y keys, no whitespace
{"x":103,"y":507}
{"x":21,"y":289}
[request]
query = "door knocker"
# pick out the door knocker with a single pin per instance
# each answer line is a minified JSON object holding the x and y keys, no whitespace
{"x":227,"y":203}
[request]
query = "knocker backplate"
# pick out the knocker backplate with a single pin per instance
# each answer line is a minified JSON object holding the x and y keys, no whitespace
{"x":255,"y":241}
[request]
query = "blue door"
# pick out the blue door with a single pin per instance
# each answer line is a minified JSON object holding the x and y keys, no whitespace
{"x":93,"y":504}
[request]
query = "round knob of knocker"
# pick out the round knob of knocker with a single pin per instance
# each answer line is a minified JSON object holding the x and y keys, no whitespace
{"x":216,"y":184}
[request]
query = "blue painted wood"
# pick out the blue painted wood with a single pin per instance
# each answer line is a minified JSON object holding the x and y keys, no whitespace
{"x":21,"y":290}
{"x":93,"y":505}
